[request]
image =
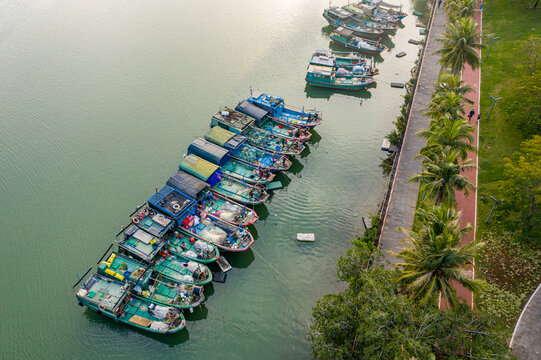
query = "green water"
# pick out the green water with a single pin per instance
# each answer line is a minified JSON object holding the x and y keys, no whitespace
{"x":98,"y":102}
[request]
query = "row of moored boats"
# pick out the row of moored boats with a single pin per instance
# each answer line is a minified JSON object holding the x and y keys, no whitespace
{"x":160,"y":265}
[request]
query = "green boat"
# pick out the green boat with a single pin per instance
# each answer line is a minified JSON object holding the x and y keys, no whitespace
{"x":122,"y":268}
{"x":337,"y":17}
{"x":231,"y":188}
{"x":191,"y":249}
{"x":326,"y":77}
{"x":211,"y":203}
{"x":239,"y":150}
{"x":345,"y":37}
{"x":188,"y":272}
{"x":364,"y":18}
{"x":139,"y":243}
{"x":353,"y":62}
{"x":231,"y":167}
{"x":151,"y":221}
{"x":240,"y":123}
{"x":159,"y":289}
{"x":113,"y":299}
{"x":265,"y":121}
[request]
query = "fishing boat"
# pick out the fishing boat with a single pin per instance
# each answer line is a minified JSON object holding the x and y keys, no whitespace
{"x":323,"y":76}
{"x":212,"y":203}
{"x":113,"y":299}
{"x":338,"y":17}
{"x":377,"y":13}
{"x":277,"y":109}
{"x":151,"y":221}
{"x":363,"y":18}
{"x":159,"y":289}
{"x":138,"y":243}
{"x":225,"y":236}
{"x":178,"y":269}
{"x":200,"y":251}
{"x":171,"y":202}
{"x":387,"y":8}
{"x":122,"y":268}
{"x":229,"y":187}
{"x":346,"y":38}
{"x":359,"y":69}
{"x":239,"y":170}
{"x":240,"y":151}
{"x":265,"y":121}
{"x":240,"y":123}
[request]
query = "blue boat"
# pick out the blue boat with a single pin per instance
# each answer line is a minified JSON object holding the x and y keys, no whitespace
{"x":280,"y":112}
{"x":229,"y":187}
{"x":240,"y":123}
{"x":171,"y":202}
{"x":218,"y":155}
{"x":241,"y":151}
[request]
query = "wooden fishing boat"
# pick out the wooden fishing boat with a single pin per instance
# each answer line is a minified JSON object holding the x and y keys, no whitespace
{"x":338,"y":17}
{"x":225,"y":236}
{"x":348,"y":70}
{"x":152,"y":221}
{"x":346,"y":38}
{"x":326,"y":77}
{"x":240,"y":123}
{"x":113,"y":299}
{"x":383,"y":7}
{"x":230,"y":167}
{"x":229,"y":187}
{"x":366,"y":19}
{"x":178,"y":269}
{"x":265,"y":121}
{"x":240,"y":151}
{"x":200,"y":251}
{"x":159,"y":289}
{"x":377,"y":13}
{"x":138,"y":243}
{"x":277,"y":109}
{"x":212,"y":203}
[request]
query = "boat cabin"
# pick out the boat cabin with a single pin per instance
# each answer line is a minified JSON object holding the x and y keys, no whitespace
{"x":171,"y":202}
{"x":225,"y":138}
{"x":187,"y":184}
{"x":100,"y":292}
{"x":152,"y":221}
{"x":138,"y":243}
{"x":201,"y":169}
{"x":252,"y":111}
{"x":209,"y":151}
{"x":336,"y":16}
{"x":273,"y":104}
{"x":319,"y":72}
{"x":344,"y":33}
{"x":232,"y":120}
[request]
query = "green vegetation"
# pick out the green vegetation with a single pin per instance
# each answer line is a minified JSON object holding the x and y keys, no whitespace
{"x":372,"y":319}
{"x":510,"y":260}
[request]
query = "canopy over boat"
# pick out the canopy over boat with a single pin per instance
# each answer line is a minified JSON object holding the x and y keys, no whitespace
{"x":201,"y":169}
{"x":338,"y":12}
{"x":233,"y":120}
{"x":225,"y":138}
{"x":321,"y":70}
{"x":253,"y":111}
{"x":209,"y":151}
{"x":171,"y":202}
{"x":344,"y":32}
{"x":187,"y":184}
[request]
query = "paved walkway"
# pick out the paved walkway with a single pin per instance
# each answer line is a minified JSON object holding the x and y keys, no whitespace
{"x":403,"y":198}
{"x":526,"y":340}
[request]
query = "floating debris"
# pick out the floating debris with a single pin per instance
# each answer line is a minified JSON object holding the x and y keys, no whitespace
{"x":397,"y":85}
{"x":401,"y":54}
{"x":306,"y":237}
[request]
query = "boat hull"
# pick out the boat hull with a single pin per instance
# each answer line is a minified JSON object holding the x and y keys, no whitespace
{"x":337,"y":86}
{"x":360,"y":49}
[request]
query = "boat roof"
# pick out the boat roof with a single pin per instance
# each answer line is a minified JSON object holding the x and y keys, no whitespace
{"x":208,"y":151}
{"x":266,"y":99}
{"x":233,"y":119}
{"x":342,"y":31}
{"x":139,"y":243}
{"x":186,"y":183}
{"x":101,"y":290}
{"x":198,"y":167}
{"x":322,"y":70}
{"x":219,"y":135}
{"x":251,"y":110}
{"x":156,"y":225}
{"x":323,"y":60}
{"x":170,"y":201}
{"x":339,"y":12}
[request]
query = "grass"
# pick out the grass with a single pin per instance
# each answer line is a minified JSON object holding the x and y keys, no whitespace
{"x":512,"y":269}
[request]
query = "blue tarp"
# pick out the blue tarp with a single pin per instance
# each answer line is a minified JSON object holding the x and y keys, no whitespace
{"x":171,"y":202}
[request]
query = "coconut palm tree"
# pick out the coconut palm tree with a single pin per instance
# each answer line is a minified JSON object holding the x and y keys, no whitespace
{"x":461,"y":8}
{"x":446,"y":103}
{"x":442,"y":174}
{"x":460,"y":44}
{"x":452,"y":83}
{"x":455,"y":134}
{"x":434,"y":258}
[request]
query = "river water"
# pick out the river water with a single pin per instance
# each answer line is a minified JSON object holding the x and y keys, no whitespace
{"x":98,"y":102}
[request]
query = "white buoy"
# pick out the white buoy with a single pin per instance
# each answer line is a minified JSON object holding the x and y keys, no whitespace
{"x":306,"y":237}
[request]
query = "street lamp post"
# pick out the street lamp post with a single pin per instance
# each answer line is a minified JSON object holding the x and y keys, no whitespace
{"x":492,"y":43}
{"x":493,"y":102}
{"x":496,"y":201}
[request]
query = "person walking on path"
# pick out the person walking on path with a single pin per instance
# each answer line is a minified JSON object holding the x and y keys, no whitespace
{"x":472,"y":112}
{"x":439,"y":3}
{"x":478,"y":117}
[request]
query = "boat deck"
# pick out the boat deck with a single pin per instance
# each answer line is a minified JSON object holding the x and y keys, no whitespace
{"x":121,"y":268}
{"x":102,"y":291}
{"x":140,"y":243}
{"x":154,"y":223}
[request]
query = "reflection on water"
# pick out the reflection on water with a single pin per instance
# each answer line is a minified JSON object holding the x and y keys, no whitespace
{"x":318,"y":92}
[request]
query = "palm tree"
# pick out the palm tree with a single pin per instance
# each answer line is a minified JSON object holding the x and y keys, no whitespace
{"x":460,"y":44}
{"x":446,"y":103}
{"x":435,"y":258}
{"x":446,"y":132}
{"x":442,"y":174}
{"x":461,"y":8}
{"x":452,"y":83}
